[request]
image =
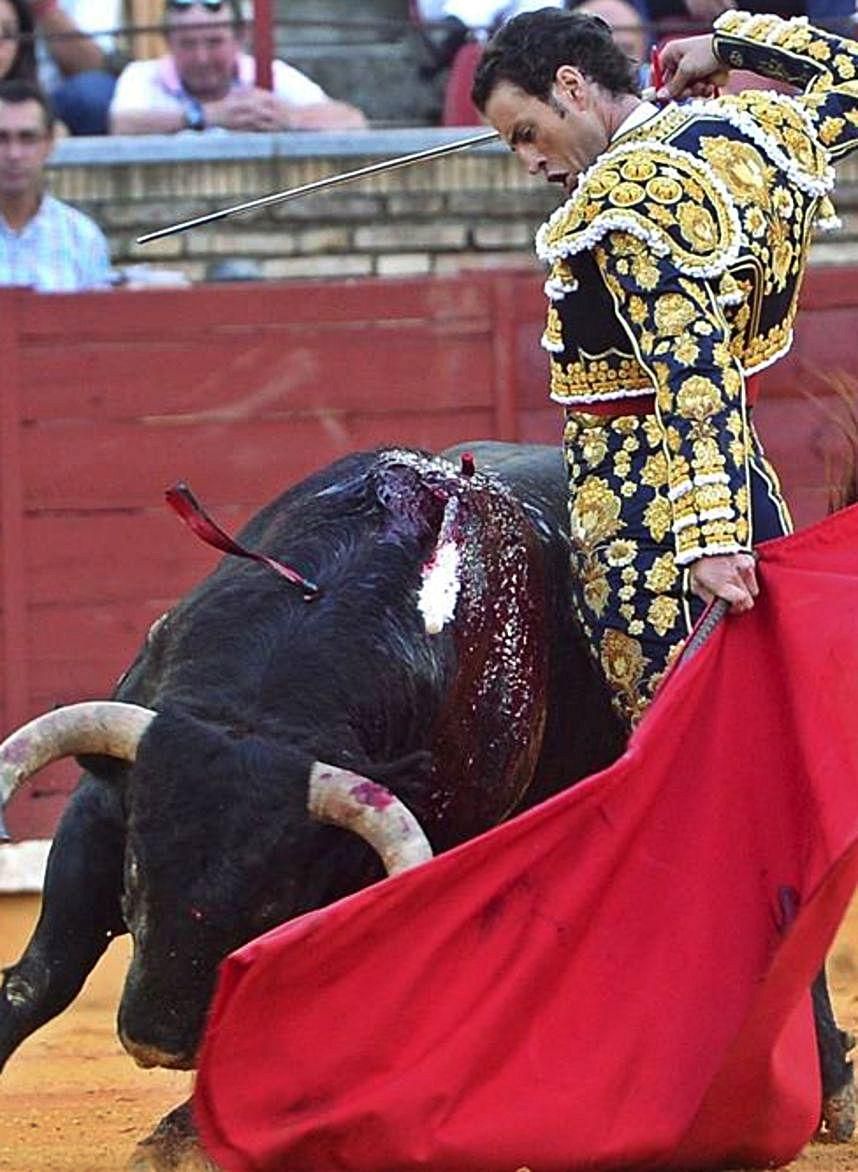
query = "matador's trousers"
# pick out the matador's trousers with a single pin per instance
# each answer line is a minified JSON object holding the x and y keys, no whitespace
{"x":631,"y":598}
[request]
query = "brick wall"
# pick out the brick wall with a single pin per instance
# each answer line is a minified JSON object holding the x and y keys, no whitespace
{"x":476,"y":209}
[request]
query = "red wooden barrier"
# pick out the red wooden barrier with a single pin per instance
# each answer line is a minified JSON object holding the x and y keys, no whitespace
{"x":106,"y":399}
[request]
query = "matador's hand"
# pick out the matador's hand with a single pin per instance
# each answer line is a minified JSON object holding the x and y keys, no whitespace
{"x":730,"y":576}
{"x":690,"y":68}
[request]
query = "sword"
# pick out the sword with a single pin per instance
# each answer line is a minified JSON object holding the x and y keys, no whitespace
{"x":322,"y":184}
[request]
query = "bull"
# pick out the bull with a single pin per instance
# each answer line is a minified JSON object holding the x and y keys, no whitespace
{"x":439,"y":666}
{"x":439,"y":660}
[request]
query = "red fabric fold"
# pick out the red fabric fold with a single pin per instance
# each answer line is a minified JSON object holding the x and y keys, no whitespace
{"x":617,"y":979}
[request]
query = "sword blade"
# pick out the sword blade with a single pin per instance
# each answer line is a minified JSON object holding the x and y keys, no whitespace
{"x":265,"y":201}
{"x":717,"y":611}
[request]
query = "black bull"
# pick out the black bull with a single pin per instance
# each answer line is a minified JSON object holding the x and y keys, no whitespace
{"x":202,"y":838}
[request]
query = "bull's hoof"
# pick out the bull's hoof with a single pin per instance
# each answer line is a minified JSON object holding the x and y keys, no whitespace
{"x":838,"y":1115}
{"x":190,"y":1159}
{"x":172,"y":1147}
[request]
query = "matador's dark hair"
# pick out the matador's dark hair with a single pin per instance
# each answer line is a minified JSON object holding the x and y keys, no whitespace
{"x":530,"y":48}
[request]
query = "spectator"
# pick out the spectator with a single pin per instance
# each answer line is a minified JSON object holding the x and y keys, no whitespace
{"x":206,"y":80}
{"x":44,"y":243}
{"x":675,"y":14}
{"x":453,"y":21}
{"x":480,"y":14}
{"x":17,"y":55}
{"x":75,"y":70}
{"x":624,"y":20}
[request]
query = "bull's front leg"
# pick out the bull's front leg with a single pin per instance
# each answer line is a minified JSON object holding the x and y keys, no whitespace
{"x":838,"y":1083}
{"x":79,"y":916}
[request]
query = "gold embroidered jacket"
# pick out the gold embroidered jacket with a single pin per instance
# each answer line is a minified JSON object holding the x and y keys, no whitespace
{"x":676,"y":264}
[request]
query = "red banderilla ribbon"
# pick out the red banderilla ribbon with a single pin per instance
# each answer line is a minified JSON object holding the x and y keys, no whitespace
{"x":656,"y":76}
{"x":185,"y":504}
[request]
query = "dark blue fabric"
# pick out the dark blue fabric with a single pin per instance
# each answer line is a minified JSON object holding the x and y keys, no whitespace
{"x":632,"y":600}
{"x":82,"y":101}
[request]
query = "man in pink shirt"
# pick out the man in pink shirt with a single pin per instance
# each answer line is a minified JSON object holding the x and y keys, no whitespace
{"x":207,"y":80}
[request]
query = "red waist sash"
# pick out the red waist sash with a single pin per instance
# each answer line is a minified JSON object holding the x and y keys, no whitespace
{"x":645,"y":404}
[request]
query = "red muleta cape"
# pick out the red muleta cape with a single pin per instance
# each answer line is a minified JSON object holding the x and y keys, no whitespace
{"x":617,"y":979}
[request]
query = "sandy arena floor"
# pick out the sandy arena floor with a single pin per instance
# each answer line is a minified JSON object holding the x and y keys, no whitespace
{"x":71,"y":1099}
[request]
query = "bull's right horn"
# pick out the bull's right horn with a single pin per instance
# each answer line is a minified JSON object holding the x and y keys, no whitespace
{"x":97,"y":726}
{"x":356,"y":803}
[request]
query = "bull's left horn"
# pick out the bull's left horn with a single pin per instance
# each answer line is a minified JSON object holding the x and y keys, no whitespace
{"x":97,"y":726}
{"x":371,"y":811}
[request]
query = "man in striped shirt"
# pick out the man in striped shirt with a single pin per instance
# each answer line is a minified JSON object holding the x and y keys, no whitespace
{"x":44,"y":244}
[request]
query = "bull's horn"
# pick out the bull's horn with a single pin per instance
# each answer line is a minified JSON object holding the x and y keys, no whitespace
{"x":98,"y":726}
{"x":367,"y":808}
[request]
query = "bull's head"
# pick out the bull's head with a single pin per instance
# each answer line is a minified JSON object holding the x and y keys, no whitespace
{"x":159,"y":1022}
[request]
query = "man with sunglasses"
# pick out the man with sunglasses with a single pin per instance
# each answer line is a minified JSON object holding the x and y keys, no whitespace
{"x":207,"y":80}
{"x":44,"y":243}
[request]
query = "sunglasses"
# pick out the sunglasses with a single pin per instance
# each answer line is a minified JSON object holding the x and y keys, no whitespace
{"x":211,"y":5}
{"x":233,"y":7}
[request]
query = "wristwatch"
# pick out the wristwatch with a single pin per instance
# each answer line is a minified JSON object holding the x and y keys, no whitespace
{"x":195,"y":118}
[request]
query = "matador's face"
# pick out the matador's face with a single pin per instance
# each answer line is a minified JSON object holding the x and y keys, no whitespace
{"x":559,"y":138}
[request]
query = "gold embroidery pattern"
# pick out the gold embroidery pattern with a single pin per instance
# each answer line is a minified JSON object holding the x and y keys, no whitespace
{"x":823,"y":62}
{"x":773,"y":216}
{"x":699,"y":239}
{"x":628,"y":588}
{"x":741,"y":166}
{"x":831,"y":130}
{"x":553,"y":336}
{"x":602,"y":377}
{"x":761,"y":350}
{"x":624,"y":664}
{"x":628,"y":591}
{"x":694,"y":403}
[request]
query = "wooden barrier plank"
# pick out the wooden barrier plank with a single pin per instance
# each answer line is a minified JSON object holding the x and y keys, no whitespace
{"x":74,"y":466}
{"x":177,"y":312}
{"x":13,"y":587}
{"x":829,"y":288}
{"x":823,"y":352}
{"x":116,"y":556}
{"x":543,"y":425}
{"x":808,"y":505}
{"x":59,"y":682}
{"x":799,"y":436}
{"x":79,"y":651}
{"x":223,"y":378}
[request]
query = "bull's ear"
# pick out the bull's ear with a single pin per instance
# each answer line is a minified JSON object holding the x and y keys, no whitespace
{"x":109,"y":769}
{"x":414,"y":503}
